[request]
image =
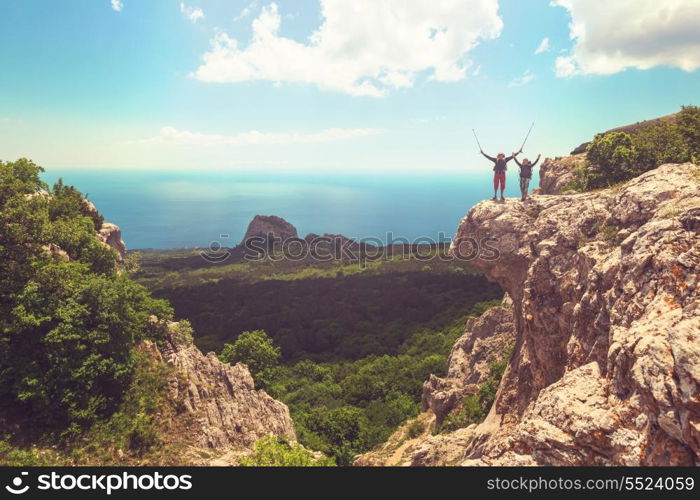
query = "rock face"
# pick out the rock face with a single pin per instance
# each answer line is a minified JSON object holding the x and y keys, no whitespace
{"x":606,"y":365}
{"x":264,"y":226}
{"x":111,"y":235}
{"x":217,"y":403}
{"x":557,"y":173}
{"x":484,"y":342}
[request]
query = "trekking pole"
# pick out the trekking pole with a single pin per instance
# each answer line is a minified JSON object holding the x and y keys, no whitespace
{"x":527,"y":136}
{"x":477,"y":140}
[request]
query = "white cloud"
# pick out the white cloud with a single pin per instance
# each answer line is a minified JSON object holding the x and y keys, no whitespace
{"x":362,"y":47}
{"x":171,"y":135}
{"x":117,"y":5}
{"x":565,"y":67}
{"x":194,"y":14}
{"x":523,"y":79}
{"x":611,"y":36}
{"x":543,"y":46}
{"x":246,"y":11}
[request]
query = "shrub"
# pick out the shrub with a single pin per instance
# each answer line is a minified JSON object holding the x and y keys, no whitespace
{"x":416,"y":428}
{"x":182,"y":332}
{"x":254,"y":349}
{"x":272,"y":451}
{"x":618,"y":156}
{"x":68,"y":203}
{"x":612,"y":157}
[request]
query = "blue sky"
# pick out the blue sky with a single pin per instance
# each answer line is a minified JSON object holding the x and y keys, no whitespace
{"x":384,"y":85}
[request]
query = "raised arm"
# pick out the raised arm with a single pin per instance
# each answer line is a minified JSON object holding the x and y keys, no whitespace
{"x":516,"y":161}
{"x":536,"y":161}
{"x":513,"y":156}
{"x":489,"y":157}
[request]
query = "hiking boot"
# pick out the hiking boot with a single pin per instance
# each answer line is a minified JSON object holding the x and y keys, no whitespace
{"x":494,"y":198}
{"x":502,"y":198}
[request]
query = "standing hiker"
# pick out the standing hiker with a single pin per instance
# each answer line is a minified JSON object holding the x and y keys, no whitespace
{"x":526,"y":174}
{"x":500,"y":165}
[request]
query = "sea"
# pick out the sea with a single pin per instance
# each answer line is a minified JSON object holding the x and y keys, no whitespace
{"x":160,"y":209}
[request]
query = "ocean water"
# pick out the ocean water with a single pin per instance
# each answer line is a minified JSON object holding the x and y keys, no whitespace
{"x":179,"y":209}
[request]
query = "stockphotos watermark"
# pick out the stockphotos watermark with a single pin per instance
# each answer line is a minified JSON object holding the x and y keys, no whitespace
{"x":331,"y":248}
{"x":100,"y":483}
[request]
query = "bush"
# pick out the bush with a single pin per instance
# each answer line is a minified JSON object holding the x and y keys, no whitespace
{"x":68,"y":203}
{"x":613,"y":156}
{"x":256,"y":350}
{"x":182,"y":332}
{"x":416,"y":428}
{"x":272,"y":451}
{"x":618,"y":157}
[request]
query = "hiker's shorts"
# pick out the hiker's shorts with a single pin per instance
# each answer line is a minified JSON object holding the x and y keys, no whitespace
{"x":524,"y":183}
{"x":499,"y":178}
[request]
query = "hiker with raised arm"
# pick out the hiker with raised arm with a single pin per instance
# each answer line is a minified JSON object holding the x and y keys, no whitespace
{"x":526,"y":174}
{"x":500,"y":165}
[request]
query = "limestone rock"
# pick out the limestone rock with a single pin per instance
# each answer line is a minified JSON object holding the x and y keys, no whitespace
{"x":485,"y":340}
{"x":111,"y":235}
{"x":557,"y":173}
{"x":217,"y":403}
{"x":606,"y":366}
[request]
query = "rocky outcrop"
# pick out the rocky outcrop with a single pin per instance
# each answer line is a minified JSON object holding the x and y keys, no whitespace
{"x":486,"y":339}
{"x":558,"y":172}
{"x":215,"y":405}
{"x":606,"y":365}
{"x":269,"y":227}
{"x":111,"y":235}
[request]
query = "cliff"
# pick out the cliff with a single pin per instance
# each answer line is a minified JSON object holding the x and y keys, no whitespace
{"x":556,"y":173}
{"x":607,"y":359}
{"x":109,"y":233}
{"x":264,"y":226}
{"x":213,"y":407}
{"x":605,"y":368}
{"x":484,"y":342}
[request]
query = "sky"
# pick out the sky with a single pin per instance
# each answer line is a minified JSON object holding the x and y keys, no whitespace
{"x":332,"y":85}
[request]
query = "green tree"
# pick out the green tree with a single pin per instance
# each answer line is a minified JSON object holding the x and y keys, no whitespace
{"x":345,"y":430}
{"x":612,"y":156}
{"x":619,"y":156}
{"x":69,"y":320}
{"x":254,"y":349}
{"x":689,"y":126}
{"x":67,"y":202}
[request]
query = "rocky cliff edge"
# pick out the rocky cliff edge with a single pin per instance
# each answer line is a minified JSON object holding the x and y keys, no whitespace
{"x":606,"y":366}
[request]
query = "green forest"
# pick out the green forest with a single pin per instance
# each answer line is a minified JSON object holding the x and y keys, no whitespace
{"x":346,"y":346}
